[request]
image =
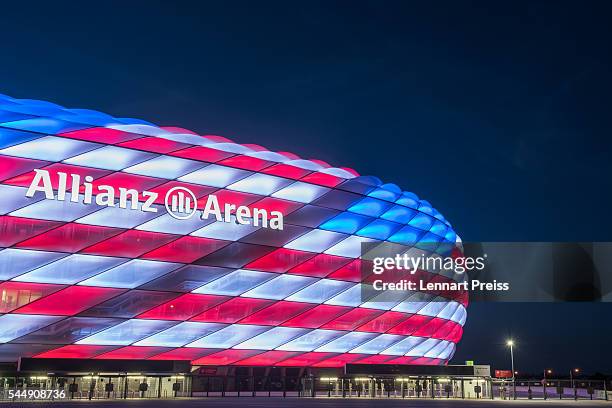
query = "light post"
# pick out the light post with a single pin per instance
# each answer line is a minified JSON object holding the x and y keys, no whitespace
{"x":548,"y":371}
{"x":572,"y":372}
{"x":510,"y":343}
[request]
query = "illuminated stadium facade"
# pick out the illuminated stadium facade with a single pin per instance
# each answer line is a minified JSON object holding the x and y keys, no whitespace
{"x":134,"y":267}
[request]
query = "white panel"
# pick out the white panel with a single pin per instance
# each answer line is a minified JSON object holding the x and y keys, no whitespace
{"x":347,"y":342}
{"x":15,"y":262}
{"x":167,"y":167}
{"x":350,"y":297}
{"x":131,"y":274}
{"x":301,"y":192}
{"x":121,"y":217}
{"x":13,"y":198}
{"x":320,"y":291}
{"x":378,"y":344}
{"x":215,"y":176}
{"x":424,"y":347}
{"x":56,"y":210}
{"x":235,"y":283}
{"x":228,"y":231}
{"x":279,"y":287}
{"x":349,"y":248}
{"x":17,"y":325}
{"x":261,"y":184}
{"x":110,"y":158}
{"x":404,"y":346}
{"x":272,"y":338}
{"x":316,"y":241}
{"x":181,"y":334}
{"x":437,"y":349}
{"x":127,"y":332}
{"x":434,"y":307}
{"x":229,"y":337}
{"x":49,"y":148}
{"x":311,"y":340}
{"x":70,"y":269}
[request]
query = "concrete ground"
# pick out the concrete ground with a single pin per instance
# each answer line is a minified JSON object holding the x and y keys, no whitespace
{"x":262,"y":402}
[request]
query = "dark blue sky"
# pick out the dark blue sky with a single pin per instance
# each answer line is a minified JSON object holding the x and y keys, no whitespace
{"x":499,"y":113}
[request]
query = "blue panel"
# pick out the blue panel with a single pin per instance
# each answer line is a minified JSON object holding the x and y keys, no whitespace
{"x":421,"y":221}
{"x":379,"y":229}
{"x":10,"y":137}
{"x":127,"y":332}
{"x":346,"y":222}
{"x":311,"y":340}
{"x":71,"y":269}
{"x":385,"y":194}
{"x":215,"y":176}
{"x":17,"y":325}
{"x":272,"y":338}
{"x":14,"y":197}
{"x":49,"y":148}
{"x":110,"y":158}
{"x":316,"y":241}
{"x":279,"y":287}
{"x":370,"y":206}
{"x":235,"y":283}
{"x":14,"y":262}
{"x":347,"y":342}
{"x":320,"y":291}
{"x":46,"y":125}
{"x":301,"y":192}
{"x":261,"y":184}
{"x":399,"y":213}
{"x":409,"y":200}
{"x":230,"y":336}
{"x":167,"y":167}
{"x":181,"y":334}
{"x":407,"y":236}
{"x":378,"y":344}
{"x":131,"y":274}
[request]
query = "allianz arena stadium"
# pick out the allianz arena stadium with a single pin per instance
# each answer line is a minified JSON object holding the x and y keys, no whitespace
{"x":194,"y":248}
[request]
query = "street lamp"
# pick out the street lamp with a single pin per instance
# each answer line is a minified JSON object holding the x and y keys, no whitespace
{"x":546,"y":371}
{"x":510,"y":343}
{"x":572,"y":372}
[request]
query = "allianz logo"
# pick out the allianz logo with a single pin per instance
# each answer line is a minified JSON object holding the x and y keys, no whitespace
{"x":180,"y":202}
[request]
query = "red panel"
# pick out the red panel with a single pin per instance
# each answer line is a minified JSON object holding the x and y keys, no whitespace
{"x":445,"y":330}
{"x":317,"y":316}
{"x":130,"y":244}
{"x":154,"y":144}
{"x":13,"y":166}
{"x":186,"y":249}
{"x":198,"y":190}
{"x":70,"y":301}
{"x":70,"y":237}
{"x":286,"y":170}
{"x":230,"y":197}
{"x":232,"y":310}
{"x":430,"y":328}
{"x":427,"y":361}
{"x":306,"y":359}
{"x":350,"y":272}
{"x":322,"y":179}
{"x":16,"y":229}
{"x":340,"y":361}
{"x":376,"y":359}
{"x":76,"y":351}
{"x":246,"y":162}
{"x":383,"y":323}
{"x":184,"y":353}
{"x":126,"y":180}
{"x":202,"y":153}
{"x":24,"y":180}
{"x":410,"y":325}
{"x":225,"y":357}
{"x":132,"y":352}
{"x":456,"y":334}
{"x":277,"y":313}
{"x":280,"y":260}
{"x":320,"y":266}
{"x":275,"y":204}
{"x":352,"y":319}
{"x":268,"y":358}
{"x":183,"y":307}
{"x":101,"y":134}
{"x":17,"y":294}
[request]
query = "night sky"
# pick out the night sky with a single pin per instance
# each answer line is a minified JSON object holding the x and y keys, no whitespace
{"x":498,"y":113}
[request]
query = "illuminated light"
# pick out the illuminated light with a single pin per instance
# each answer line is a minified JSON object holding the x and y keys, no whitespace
{"x":70,"y":269}
{"x":272,"y":338}
{"x":127,"y":332}
{"x":347,"y":342}
{"x":258,"y":183}
{"x":377,"y":344}
{"x":18,"y":325}
{"x":229,"y":336}
{"x":26,"y":259}
{"x":316,"y":241}
{"x":131,"y":274}
{"x":279,"y":287}
{"x":301,"y":192}
{"x":165,"y":167}
{"x":235,"y":283}
{"x":180,"y":334}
